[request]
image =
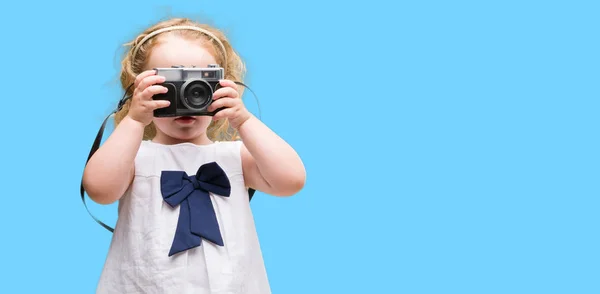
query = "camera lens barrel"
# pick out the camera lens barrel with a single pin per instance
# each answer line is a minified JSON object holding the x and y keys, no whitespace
{"x":196,"y":94}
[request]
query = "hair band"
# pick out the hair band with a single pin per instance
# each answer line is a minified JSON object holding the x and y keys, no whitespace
{"x":172,"y":28}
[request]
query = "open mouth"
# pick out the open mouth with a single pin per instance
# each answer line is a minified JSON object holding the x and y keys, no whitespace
{"x":185,"y":119}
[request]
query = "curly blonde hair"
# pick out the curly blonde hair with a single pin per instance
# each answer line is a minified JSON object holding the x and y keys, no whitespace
{"x":132,"y":65}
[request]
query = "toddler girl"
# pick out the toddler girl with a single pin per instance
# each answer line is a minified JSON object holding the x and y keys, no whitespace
{"x":185,"y":224}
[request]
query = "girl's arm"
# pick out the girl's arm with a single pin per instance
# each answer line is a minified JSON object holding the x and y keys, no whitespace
{"x":269,"y":164}
{"x":110,"y":171}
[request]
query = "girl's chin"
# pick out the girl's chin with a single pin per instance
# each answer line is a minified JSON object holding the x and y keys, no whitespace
{"x":185,"y":134}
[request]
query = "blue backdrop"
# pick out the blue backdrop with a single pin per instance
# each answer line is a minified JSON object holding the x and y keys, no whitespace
{"x":451,"y":146}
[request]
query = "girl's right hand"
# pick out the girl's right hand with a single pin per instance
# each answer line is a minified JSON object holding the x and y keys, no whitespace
{"x":142,"y":106}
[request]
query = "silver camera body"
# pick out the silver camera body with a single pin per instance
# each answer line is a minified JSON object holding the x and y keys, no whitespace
{"x":190,"y":90}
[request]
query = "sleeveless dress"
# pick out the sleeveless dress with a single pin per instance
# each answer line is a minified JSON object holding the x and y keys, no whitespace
{"x":138,"y":259}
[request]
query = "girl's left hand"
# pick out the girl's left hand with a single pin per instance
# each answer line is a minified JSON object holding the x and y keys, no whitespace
{"x":229,"y":97}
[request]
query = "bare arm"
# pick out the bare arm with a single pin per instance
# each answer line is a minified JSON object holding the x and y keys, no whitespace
{"x":110,"y":171}
{"x":269,"y":163}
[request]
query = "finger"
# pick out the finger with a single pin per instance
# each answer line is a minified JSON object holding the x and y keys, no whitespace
{"x":156,"y":104}
{"x":224,"y":102}
{"x":228,"y":83}
{"x":142,"y":76}
{"x":224,"y":113}
{"x":149,"y":81}
{"x":225,"y":92}
{"x":151,"y":91}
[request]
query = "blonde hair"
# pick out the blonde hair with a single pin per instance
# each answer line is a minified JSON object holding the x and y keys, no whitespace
{"x":139,"y":49}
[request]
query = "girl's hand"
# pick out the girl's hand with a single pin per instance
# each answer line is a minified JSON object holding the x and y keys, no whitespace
{"x":142,"y":106}
{"x":228,"y":96}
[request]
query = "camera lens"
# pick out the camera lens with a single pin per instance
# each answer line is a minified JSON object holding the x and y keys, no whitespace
{"x":196,"y":94}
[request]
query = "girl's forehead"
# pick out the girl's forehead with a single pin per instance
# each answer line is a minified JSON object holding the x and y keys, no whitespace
{"x":175,"y":51}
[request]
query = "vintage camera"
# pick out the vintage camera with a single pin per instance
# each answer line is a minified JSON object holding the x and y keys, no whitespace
{"x":190,"y":90}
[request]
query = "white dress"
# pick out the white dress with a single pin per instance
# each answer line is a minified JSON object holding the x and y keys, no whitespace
{"x":138,"y":260}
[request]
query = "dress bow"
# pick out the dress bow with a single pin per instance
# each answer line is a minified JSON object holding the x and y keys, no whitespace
{"x":197,"y":218}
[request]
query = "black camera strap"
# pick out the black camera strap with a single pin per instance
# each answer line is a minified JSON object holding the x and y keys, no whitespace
{"x":98,"y":141}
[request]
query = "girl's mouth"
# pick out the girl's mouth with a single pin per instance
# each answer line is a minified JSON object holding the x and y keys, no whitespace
{"x":185,"y":119}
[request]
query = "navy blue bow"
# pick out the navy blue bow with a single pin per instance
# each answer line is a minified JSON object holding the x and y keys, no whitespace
{"x":197,"y":217}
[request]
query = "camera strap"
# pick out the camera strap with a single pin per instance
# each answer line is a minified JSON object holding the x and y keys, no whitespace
{"x":98,"y":140}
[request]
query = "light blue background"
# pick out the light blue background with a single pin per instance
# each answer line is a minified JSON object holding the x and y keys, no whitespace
{"x":451,"y":146}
